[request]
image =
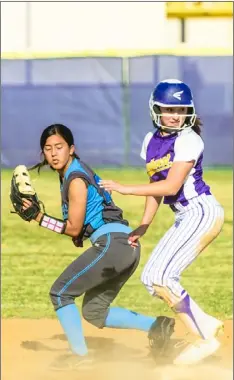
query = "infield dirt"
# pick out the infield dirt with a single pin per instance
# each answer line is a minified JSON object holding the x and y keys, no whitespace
{"x":30,"y":346}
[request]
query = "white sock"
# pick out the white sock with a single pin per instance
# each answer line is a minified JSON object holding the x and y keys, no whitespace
{"x":195,"y":319}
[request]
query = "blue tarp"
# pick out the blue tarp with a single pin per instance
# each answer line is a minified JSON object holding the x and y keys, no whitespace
{"x":107,"y":108}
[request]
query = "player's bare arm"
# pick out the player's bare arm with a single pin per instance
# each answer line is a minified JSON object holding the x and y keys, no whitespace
{"x":168,"y":187}
{"x":151,"y":207}
{"x":77,"y":207}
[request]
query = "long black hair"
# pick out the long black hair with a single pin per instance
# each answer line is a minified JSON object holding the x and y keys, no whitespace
{"x":197,"y":126}
{"x":54,"y":129}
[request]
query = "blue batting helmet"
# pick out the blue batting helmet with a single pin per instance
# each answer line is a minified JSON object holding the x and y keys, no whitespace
{"x":172,"y":93}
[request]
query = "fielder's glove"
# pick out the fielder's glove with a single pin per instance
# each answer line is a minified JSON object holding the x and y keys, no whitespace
{"x":163,"y":348}
{"x":21,"y":187}
{"x":159,"y":338}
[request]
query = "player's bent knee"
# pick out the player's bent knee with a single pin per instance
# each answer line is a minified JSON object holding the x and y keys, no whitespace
{"x":165,"y":293}
{"x":59,"y":300}
{"x":95,"y":317}
{"x":53,"y":293}
{"x":149,"y":288}
{"x":144,"y":280}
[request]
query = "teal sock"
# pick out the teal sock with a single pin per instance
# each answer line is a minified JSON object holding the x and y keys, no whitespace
{"x":121,"y":318}
{"x":70,"y":319}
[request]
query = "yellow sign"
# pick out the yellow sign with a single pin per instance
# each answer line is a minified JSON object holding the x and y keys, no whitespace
{"x":190,"y":9}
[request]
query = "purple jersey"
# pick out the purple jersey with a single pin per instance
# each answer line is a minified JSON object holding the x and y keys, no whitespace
{"x":160,"y":152}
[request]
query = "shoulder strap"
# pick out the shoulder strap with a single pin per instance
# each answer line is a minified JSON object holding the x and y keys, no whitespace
{"x":94,"y":180}
{"x":90,"y":178}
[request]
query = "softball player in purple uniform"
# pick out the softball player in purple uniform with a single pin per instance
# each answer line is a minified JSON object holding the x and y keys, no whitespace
{"x":174,"y":155}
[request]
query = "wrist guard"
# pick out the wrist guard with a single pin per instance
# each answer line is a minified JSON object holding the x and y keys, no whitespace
{"x":53,"y":224}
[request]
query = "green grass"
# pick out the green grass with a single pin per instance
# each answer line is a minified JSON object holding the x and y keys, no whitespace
{"x":33,"y":257}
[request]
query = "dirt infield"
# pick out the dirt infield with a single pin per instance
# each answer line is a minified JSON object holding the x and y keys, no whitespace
{"x":29,"y":346}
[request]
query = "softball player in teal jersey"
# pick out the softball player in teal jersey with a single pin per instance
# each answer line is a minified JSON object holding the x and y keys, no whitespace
{"x":102,"y":270}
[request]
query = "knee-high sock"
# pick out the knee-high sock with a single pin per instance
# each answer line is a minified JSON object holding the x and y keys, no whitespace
{"x":194,"y":318}
{"x":121,"y":318}
{"x":70,"y":320}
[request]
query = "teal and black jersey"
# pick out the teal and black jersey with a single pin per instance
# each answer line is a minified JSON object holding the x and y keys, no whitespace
{"x":100,"y":208}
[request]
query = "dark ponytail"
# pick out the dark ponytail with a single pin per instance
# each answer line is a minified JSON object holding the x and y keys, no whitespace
{"x":197,"y":126}
{"x":54,"y":129}
{"x":40,"y":164}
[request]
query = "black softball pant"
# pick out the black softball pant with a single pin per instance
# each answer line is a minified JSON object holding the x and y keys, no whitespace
{"x":100,"y":272}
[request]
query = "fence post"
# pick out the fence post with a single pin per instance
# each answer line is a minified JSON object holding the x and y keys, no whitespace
{"x":126,"y":109}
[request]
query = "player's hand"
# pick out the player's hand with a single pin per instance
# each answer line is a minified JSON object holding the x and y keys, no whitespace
{"x":77,"y":242}
{"x":109,"y":185}
{"x":135,"y":235}
{"x":26,"y":203}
